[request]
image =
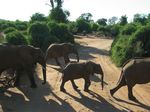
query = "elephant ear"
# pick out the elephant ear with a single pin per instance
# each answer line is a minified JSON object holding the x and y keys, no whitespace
{"x":89,"y":67}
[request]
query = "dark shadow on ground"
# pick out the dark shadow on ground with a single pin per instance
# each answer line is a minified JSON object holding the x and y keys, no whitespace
{"x":26,"y":99}
{"x":99,"y":105}
{"x":138,"y":103}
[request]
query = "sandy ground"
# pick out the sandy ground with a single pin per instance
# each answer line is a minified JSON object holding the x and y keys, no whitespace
{"x":48,"y":98}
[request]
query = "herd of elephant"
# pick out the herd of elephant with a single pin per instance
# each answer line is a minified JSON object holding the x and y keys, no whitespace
{"x":24,"y":58}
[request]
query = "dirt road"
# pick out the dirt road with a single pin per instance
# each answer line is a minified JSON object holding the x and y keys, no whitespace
{"x":48,"y":98}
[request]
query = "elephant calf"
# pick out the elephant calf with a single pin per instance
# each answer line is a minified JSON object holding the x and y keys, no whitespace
{"x":61,"y":50}
{"x":80,"y":70}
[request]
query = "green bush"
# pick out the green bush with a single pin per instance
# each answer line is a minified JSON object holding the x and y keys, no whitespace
{"x":104,"y":30}
{"x":16,"y":38}
{"x":125,"y":47}
{"x":9,"y":29}
{"x":115,"y":30}
{"x":58,"y":15}
{"x":129,"y":29}
{"x":61,"y":32}
{"x":39,"y":32}
{"x":83,"y":26}
{"x":72,"y":27}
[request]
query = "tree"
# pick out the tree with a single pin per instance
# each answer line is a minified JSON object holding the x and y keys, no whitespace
{"x":140,"y":18}
{"x":83,"y":26}
{"x":38,"y":17}
{"x":112,"y":20}
{"x":123,"y":20}
{"x":86,"y":16}
{"x":102,"y":21}
{"x":58,"y":15}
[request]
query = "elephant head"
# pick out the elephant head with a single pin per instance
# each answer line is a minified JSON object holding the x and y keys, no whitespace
{"x":92,"y":68}
{"x":39,"y":57}
{"x":70,"y":48}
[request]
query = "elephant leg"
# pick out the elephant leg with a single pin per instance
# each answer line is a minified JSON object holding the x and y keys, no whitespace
{"x":87,"y":84}
{"x":57,"y":62}
{"x":66,"y":58}
{"x":130,"y":93}
{"x":74,"y":85}
{"x":120,"y":84}
{"x":30,"y":73}
{"x":62,"y":86}
{"x":18,"y":74}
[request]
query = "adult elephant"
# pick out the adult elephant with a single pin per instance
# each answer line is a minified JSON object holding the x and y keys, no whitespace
{"x":22,"y":57}
{"x":135,"y":71}
{"x":80,"y":70}
{"x":61,"y":50}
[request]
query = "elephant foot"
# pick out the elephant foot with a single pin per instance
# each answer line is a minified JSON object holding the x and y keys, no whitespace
{"x":33,"y":86}
{"x":63,"y":90}
{"x":132,"y":98}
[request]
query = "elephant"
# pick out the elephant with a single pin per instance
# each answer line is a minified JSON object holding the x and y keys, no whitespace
{"x":80,"y":70}
{"x":61,"y":50}
{"x":22,"y":57}
{"x":134,"y":71}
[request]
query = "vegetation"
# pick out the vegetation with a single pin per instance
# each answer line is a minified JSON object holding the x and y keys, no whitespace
{"x":131,"y":39}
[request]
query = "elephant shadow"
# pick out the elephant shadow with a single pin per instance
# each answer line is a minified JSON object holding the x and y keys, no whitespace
{"x":99,"y":105}
{"x":137,"y":103}
{"x":86,"y":51}
{"x":26,"y":99}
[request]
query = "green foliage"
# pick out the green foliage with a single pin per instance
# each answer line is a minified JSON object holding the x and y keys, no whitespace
{"x":16,"y":38}
{"x":102,"y":22}
{"x":125,"y":47}
{"x":83,"y":26}
{"x":9,"y":29}
{"x":94,"y":26}
{"x":58,"y":15}
{"x":38,"y":17}
{"x":129,"y":29}
{"x":61,"y":32}
{"x":115,"y":30}
{"x":140,"y":18}
{"x":123,"y":20}
{"x":21,"y":25}
{"x":72,"y":27}
{"x":104,"y":30}
{"x":86,"y":16}
{"x":39,"y":32}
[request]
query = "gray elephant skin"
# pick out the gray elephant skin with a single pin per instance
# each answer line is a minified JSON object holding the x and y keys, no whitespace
{"x":61,"y":50}
{"x":80,"y":70}
{"x":22,"y":57}
{"x":135,"y":71}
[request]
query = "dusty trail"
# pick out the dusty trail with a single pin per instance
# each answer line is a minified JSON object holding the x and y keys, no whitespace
{"x":48,"y":98}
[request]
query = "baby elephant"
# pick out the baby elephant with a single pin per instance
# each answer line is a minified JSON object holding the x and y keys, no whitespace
{"x":80,"y":70}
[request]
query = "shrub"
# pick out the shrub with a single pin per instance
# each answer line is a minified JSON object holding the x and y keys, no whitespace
{"x":115,"y":30}
{"x":72,"y":27}
{"x":9,"y":29}
{"x":129,"y":29}
{"x":39,"y":32}
{"x":16,"y":38}
{"x":83,"y":26}
{"x":136,"y":45}
{"x":61,"y":32}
